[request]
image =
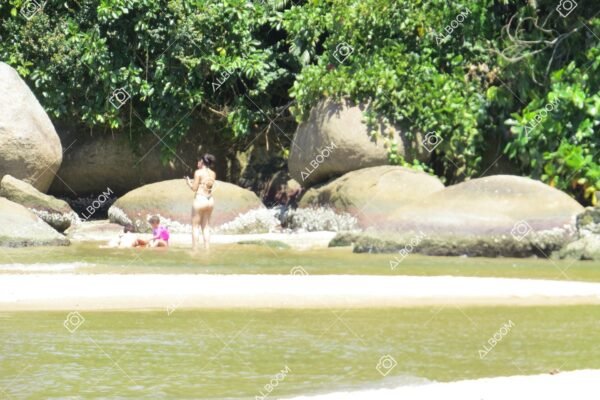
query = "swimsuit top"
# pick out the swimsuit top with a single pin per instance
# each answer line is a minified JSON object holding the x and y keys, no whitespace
{"x":161,"y":233}
{"x":207,"y":191}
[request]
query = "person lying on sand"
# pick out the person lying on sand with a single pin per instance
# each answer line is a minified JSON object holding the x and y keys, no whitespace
{"x":125,"y":239}
{"x":160,"y":237}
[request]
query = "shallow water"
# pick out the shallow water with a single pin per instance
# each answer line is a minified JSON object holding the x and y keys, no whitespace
{"x":253,"y":259}
{"x":234,"y":354}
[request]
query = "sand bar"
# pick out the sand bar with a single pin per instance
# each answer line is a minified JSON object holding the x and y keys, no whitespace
{"x":68,"y":291}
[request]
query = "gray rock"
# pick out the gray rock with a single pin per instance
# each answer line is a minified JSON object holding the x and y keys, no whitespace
{"x":490,"y":206}
{"x":336,"y":140}
{"x":30,"y":149}
{"x":585,"y":248}
{"x":372,"y":194}
{"x":493,"y":216}
{"x":540,"y":244}
{"x":55,"y":212}
{"x":172,"y":201}
{"x":589,"y":221}
{"x":587,"y":244}
{"x":19,"y":227}
{"x":96,"y":164}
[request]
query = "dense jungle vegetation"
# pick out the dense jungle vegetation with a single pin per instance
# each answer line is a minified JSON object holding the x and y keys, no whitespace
{"x":493,"y":78}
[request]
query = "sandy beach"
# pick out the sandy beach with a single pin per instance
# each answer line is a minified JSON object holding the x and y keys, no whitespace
{"x":69,"y":291}
{"x":548,"y":387}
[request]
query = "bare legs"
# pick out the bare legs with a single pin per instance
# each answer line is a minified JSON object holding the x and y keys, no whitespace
{"x":201,"y":222}
{"x":195,"y":228}
{"x":205,"y":225}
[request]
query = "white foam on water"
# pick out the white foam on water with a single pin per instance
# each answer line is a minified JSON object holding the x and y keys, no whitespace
{"x":548,"y":387}
{"x":44,"y":267}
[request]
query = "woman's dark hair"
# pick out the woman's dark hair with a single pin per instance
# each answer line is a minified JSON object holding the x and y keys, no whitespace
{"x":208,"y":160}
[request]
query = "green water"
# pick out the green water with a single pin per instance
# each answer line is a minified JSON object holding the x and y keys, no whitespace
{"x":252,"y":259}
{"x":234,"y":354}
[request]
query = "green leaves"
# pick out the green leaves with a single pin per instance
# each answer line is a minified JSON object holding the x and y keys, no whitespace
{"x":165,"y":55}
{"x":238,"y":63}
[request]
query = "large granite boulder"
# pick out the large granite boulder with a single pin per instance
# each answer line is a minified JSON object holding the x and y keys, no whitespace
{"x":172,"y":201}
{"x":493,"y":205}
{"x":493,"y":216}
{"x":19,"y":227}
{"x":96,"y":164}
{"x":372,"y":194}
{"x":335,"y":140}
{"x":29,"y":146}
{"x":55,"y":212}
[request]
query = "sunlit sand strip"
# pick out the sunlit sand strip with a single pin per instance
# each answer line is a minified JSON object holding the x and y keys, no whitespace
{"x":155,"y":291}
{"x":582,"y":385}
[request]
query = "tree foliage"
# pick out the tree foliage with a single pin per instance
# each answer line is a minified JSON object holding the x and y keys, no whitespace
{"x":476,"y":73}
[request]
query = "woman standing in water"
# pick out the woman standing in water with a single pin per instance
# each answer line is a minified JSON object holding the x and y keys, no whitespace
{"x":202,"y":207}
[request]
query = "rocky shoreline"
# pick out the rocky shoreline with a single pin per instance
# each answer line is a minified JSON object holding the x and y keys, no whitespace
{"x":350,"y":189}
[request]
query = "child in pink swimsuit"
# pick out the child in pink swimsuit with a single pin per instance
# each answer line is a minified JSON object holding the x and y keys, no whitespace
{"x":160,"y":234}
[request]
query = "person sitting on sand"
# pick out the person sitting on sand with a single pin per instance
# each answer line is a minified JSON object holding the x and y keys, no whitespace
{"x":160,"y":234}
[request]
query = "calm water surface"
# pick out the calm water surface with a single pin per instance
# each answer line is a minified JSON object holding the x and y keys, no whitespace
{"x":233,"y":354}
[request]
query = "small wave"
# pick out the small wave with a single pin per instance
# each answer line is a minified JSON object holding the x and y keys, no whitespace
{"x":44,"y":267}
